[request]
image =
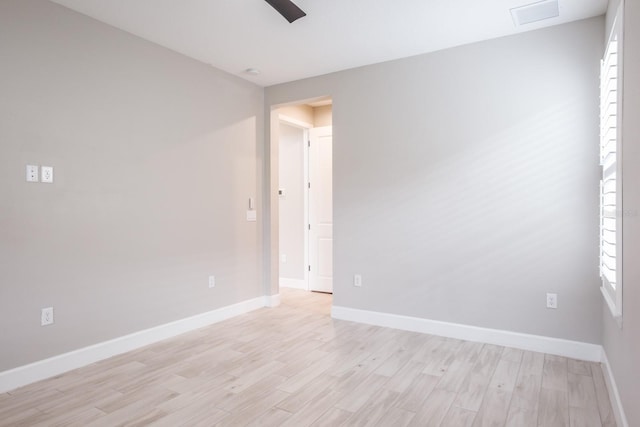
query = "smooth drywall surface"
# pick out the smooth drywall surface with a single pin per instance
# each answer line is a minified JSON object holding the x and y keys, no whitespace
{"x":291,"y":179}
{"x":301,"y":113}
{"x":622,"y":345}
{"x":155,"y":159}
{"x":466,"y":182}
{"x":322,"y":116}
{"x":610,"y":16}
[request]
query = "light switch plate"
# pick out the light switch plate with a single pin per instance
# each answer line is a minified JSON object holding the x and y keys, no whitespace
{"x":46,"y":173}
{"x":252,"y":215}
{"x":32,"y":173}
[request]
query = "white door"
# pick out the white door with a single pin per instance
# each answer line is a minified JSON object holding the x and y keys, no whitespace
{"x":320,"y":210}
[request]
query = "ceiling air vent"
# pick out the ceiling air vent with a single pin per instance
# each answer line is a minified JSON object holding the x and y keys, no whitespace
{"x":535,"y":12}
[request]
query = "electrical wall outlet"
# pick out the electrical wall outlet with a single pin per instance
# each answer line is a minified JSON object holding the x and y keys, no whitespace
{"x":357,"y":280}
{"x":32,"y":173}
{"x":212,"y":281}
{"x":283,"y":258}
{"x":46,"y":316}
{"x":552,"y":300}
{"x":46,"y":174}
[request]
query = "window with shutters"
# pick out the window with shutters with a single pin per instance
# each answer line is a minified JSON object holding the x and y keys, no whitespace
{"x":610,"y":184}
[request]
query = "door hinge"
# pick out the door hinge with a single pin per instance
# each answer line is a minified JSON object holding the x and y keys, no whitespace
{"x":308,"y":143}
{"x":309,"y":268}
{"x":309,"y":185}
{"x":309,"y":226}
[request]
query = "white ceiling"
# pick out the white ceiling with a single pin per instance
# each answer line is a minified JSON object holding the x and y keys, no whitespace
{"x":234,"y":35}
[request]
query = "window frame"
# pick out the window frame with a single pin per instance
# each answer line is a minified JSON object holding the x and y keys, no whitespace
{"x":613,"y":293}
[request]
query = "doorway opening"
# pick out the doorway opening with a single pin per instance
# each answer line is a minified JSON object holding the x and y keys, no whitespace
{"x":305,"y":196}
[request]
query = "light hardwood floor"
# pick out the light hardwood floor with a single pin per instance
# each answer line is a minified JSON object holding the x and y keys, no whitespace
{"x":295,"y":366}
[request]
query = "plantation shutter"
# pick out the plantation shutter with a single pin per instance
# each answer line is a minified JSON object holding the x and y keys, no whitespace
{"x":609,"y":201}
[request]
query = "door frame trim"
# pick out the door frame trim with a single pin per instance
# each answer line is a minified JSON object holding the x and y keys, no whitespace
{"x":305,"y":160}
{"x":269,"y":169}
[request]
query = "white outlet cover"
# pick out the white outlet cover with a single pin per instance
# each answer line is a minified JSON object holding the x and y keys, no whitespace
{"x":32,"y":173}
{"x":252,"y":215}
{"x":357,"y":280}
{"x":212,"y":281}
{"x":552,"y":300}
{"x":46,"y":173}
{"x":46,"y":316}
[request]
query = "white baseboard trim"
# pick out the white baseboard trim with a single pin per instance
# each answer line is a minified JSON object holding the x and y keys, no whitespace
{"x":614,"y":396}
{"x":57,"y":365}
{"x":293,"y":283}
{"x":272,"y":300}
{"x":556,"y":346}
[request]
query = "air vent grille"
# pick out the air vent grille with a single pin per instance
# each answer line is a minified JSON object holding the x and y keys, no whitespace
{"x":535,"y":12}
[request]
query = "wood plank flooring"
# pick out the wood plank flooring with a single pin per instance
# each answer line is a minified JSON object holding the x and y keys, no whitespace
{"x":295,"y":366}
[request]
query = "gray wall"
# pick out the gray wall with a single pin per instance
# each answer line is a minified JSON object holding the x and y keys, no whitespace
{"x":301,"y":113}
{"x":322,"y":116}
{"x":292,"y":213}
{"x":622,"y":345}
{"x":155,"y":157}
{"x":466,"y":182}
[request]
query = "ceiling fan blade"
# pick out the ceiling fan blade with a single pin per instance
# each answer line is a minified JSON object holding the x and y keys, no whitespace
{"x":288,"y":9}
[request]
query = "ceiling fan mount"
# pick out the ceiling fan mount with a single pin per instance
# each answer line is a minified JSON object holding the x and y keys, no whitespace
{"x":288,"y":9}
